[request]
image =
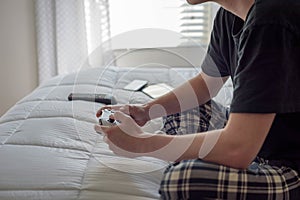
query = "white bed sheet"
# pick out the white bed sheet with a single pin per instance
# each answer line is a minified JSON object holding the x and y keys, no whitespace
{"x":49,"y":149}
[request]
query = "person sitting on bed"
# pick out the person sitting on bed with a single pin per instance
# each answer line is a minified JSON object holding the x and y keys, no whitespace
{"x":257,"y":154}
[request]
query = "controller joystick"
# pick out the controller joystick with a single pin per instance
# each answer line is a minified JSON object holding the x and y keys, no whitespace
{"x":105,"y":120}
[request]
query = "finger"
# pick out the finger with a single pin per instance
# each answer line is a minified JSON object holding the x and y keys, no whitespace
{"x":105,"y":139}
{"x":101,"y":129}
{"x":109,"y":107}
{"x":127,"y":124}
{"x":125,"y":109}
{"x":99,"y":112}
{"x":122,"y":117}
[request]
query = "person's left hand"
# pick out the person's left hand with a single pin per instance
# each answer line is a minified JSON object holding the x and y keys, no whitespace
{"x":126,"y":139}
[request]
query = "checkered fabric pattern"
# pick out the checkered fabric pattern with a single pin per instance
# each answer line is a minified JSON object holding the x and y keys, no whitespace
{"x":209,"y":116}
{"x":196,"y":179}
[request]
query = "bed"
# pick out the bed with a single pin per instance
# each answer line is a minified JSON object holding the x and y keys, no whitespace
{"x":49,"y":149}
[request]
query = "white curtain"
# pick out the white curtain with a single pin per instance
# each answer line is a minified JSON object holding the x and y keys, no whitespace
{"x":68,"y":31}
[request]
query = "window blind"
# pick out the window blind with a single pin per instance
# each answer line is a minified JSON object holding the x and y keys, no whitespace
{"x":97,"y":23}
{"x":196,"y":22}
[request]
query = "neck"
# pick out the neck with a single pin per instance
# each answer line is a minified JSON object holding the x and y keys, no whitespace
{"x":238,"y":7}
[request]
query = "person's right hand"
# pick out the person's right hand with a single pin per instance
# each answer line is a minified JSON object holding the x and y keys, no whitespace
{"x":137,"y":112}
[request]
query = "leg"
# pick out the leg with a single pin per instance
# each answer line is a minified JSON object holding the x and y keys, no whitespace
{"x":200,"y":119}
{"x":195,"y":179}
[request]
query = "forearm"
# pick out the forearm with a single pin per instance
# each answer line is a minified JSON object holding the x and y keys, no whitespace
{"x":236,"y":145}
{"x":212,"y":146}
{"x":176,"y":148}
{"x":189,"y":95}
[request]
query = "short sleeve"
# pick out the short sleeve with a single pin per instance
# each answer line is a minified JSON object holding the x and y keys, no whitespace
{"x":215,"y":63}
{"x":267,"y":78}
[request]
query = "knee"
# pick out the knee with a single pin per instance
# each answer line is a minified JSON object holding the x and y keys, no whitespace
{"x":188,"y":180}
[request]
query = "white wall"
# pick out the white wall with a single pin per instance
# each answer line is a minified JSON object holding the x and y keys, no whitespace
{"x":18,"y":61}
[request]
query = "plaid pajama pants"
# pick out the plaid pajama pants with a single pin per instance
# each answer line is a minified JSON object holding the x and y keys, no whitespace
{"x":196,"y":179}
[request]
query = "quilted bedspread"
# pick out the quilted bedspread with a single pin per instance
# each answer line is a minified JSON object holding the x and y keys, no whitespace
{"x":49,"y":149}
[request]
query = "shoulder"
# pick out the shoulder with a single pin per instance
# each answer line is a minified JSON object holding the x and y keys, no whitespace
{"x":224,"y":17}
{"x":283,"y":13}
{"x":223,"y":23}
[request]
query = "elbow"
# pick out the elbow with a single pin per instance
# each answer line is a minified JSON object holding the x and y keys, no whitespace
{"x":239,"y":159}
{"x":232,"y":157}
{"x":213,"y":91}
{"x":213,"y":94}
{"x":240,"y":162}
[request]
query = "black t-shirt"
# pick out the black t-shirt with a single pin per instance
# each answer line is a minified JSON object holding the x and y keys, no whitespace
{"x":262,"y":56}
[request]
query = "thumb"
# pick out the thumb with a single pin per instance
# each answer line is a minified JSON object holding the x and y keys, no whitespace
{"x":101,"y":129}
{"x":122,"y":117}
{"x":127,"y":124}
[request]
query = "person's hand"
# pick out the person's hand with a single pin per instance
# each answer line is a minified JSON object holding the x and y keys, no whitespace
{"x":126,"y":139}
{"x":137,"y":112}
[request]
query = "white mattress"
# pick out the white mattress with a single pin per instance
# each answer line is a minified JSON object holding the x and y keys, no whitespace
{"x":49,"y":150}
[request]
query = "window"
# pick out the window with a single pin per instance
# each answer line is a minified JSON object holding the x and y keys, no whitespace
{"x":97,"y":24}
{"x":192,"y":22}
{"x":196,"y":22}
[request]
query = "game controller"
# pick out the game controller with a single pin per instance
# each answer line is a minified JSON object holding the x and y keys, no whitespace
{"x":104,"y":119}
